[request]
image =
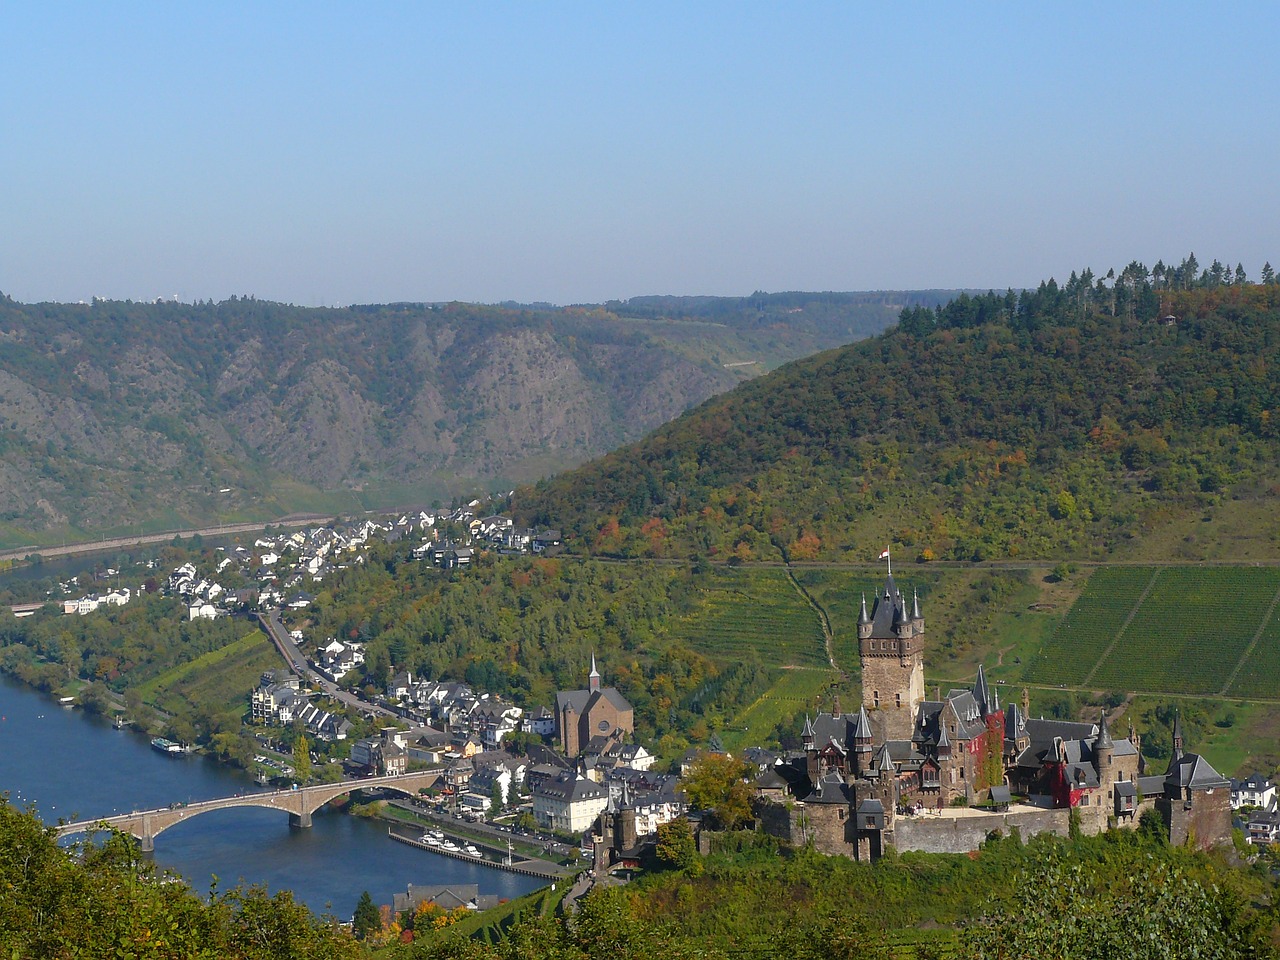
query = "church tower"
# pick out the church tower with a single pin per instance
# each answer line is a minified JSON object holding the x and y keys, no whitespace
{"x":891,"y":654}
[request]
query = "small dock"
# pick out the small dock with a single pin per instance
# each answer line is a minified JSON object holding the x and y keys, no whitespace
{"x":530,"y":868}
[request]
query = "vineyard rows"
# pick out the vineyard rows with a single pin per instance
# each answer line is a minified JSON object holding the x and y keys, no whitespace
{"x":755,"y":615}
{"x":1187,"y":636}
{"x":1091,"y":625}
{"x":1191,"y":631}
{"x":795,"y":692}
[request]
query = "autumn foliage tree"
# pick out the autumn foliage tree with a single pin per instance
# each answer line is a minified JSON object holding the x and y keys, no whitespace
{"x":718,"y":783}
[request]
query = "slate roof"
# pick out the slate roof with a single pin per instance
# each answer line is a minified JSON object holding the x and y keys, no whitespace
{"x":889,"y":608}
{"x":1193,"y":772}
{"x":830,"y":788}
{"x":770,"y":780}
{"x":1152,"y":786}
{"x":572,"y":790}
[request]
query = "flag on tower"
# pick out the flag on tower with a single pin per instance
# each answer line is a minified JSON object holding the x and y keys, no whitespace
{"x":885,"y":555}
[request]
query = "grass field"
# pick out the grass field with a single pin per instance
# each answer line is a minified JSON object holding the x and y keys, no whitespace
{"x":754,"y":615}
{"x":221,"y":677}
{"x":793,"y":693}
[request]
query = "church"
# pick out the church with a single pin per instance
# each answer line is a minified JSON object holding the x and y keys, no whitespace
{"x":941,"y":774}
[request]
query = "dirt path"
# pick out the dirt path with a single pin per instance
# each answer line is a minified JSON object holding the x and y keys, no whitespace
{"x":828,"y":639}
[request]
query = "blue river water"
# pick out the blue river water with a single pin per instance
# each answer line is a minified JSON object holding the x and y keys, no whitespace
{"x":69,"y":766}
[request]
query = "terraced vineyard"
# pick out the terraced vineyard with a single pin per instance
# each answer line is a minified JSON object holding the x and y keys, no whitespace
{"x":794,"y":692}
{"x":1260,"y":675}
{"x":840,"y":593}
{"x":1191,"y":630}
{"x":1091,"y":625}
{"x":754,"y":615}
{"x":221,"y":677}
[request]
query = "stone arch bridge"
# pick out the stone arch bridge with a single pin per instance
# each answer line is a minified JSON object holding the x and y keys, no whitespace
{"x":299,"y":804}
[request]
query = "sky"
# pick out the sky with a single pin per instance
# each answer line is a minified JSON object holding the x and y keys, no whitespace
{"x":335,"y":153}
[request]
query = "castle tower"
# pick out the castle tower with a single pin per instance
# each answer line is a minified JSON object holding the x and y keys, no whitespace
{"x":624,"y":830}
{"x":1103,"y":749}
{"x":891,"y":653}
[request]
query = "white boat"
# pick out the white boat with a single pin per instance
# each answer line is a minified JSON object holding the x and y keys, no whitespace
{"x":449,"y":846}
{"x":471,"y":850}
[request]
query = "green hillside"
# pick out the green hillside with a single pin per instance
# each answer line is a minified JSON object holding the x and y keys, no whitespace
{"x":1065,"y":422}
{"x":159,"y":416}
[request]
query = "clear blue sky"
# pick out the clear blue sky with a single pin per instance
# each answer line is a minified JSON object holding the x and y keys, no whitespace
{"x":364,"y":152}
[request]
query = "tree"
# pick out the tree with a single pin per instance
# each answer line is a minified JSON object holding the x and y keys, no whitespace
{"x":366,"y":919}
{"x":677,"y":848}
{"x":1061,"y":909}
{"x":302,"y":759}
{"x":717,"y":782}
{"x":1268,"y":273}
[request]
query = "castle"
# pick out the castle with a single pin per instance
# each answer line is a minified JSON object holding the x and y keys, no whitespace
{"x":942,"y":774}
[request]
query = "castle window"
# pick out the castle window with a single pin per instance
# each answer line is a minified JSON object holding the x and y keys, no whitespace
{"x":897,"y":700}
{"x":875,"y":696}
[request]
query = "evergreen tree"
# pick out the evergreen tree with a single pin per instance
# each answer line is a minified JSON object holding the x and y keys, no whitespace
{"x":302,"y":759}
{"x":1268,"y":273}
{"x":366,"y":919}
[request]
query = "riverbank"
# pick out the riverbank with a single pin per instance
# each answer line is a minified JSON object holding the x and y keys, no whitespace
{"x":100,"y":771}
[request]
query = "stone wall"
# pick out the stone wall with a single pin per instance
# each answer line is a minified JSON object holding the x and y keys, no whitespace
{"x":891,"y":677}
{"x":962,"y":834}
{"x":1205,"y":823}
{"x":826,"y":824}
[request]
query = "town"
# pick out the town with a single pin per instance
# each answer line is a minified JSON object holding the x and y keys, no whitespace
{"x":900,"y":771}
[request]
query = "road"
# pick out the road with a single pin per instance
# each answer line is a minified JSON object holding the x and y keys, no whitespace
{"x":117,"y":543}
{"x":270,"y":621}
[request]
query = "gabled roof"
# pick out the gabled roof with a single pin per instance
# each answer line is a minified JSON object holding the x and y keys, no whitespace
{"x":1193,"y":772}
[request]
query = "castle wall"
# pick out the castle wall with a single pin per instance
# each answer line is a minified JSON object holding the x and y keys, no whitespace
{"x":825,"y":824}
{"x":963,"y":834}
{"x":1206,"y":823}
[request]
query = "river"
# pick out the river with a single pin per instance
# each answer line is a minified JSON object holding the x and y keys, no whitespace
{"x":71,"y":766}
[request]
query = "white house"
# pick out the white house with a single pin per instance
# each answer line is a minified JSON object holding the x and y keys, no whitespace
{"x":1254,"y":790}
{"x":569,"y":803}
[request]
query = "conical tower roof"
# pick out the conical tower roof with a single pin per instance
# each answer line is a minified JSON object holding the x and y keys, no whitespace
{"x":944,"y":742}
{"x":981,"y":692}
{"x":1104,"y":735}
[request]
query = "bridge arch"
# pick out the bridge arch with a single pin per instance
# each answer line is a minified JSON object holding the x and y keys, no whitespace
{"x":299,"y":804}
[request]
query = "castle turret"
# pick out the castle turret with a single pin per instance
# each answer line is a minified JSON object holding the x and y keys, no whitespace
{"x":1178,"y":743}
{"x":1103,"y":751}
{"x":864,"y":621}
{"x":861,"y":740}
{"x":624,"y":831}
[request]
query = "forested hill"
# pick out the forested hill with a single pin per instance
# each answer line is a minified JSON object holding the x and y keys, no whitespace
{"x":1106,"y":417}
{"x":121,"y":414}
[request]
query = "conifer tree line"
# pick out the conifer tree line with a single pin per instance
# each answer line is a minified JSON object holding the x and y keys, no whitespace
{"x":1134,"y":292}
